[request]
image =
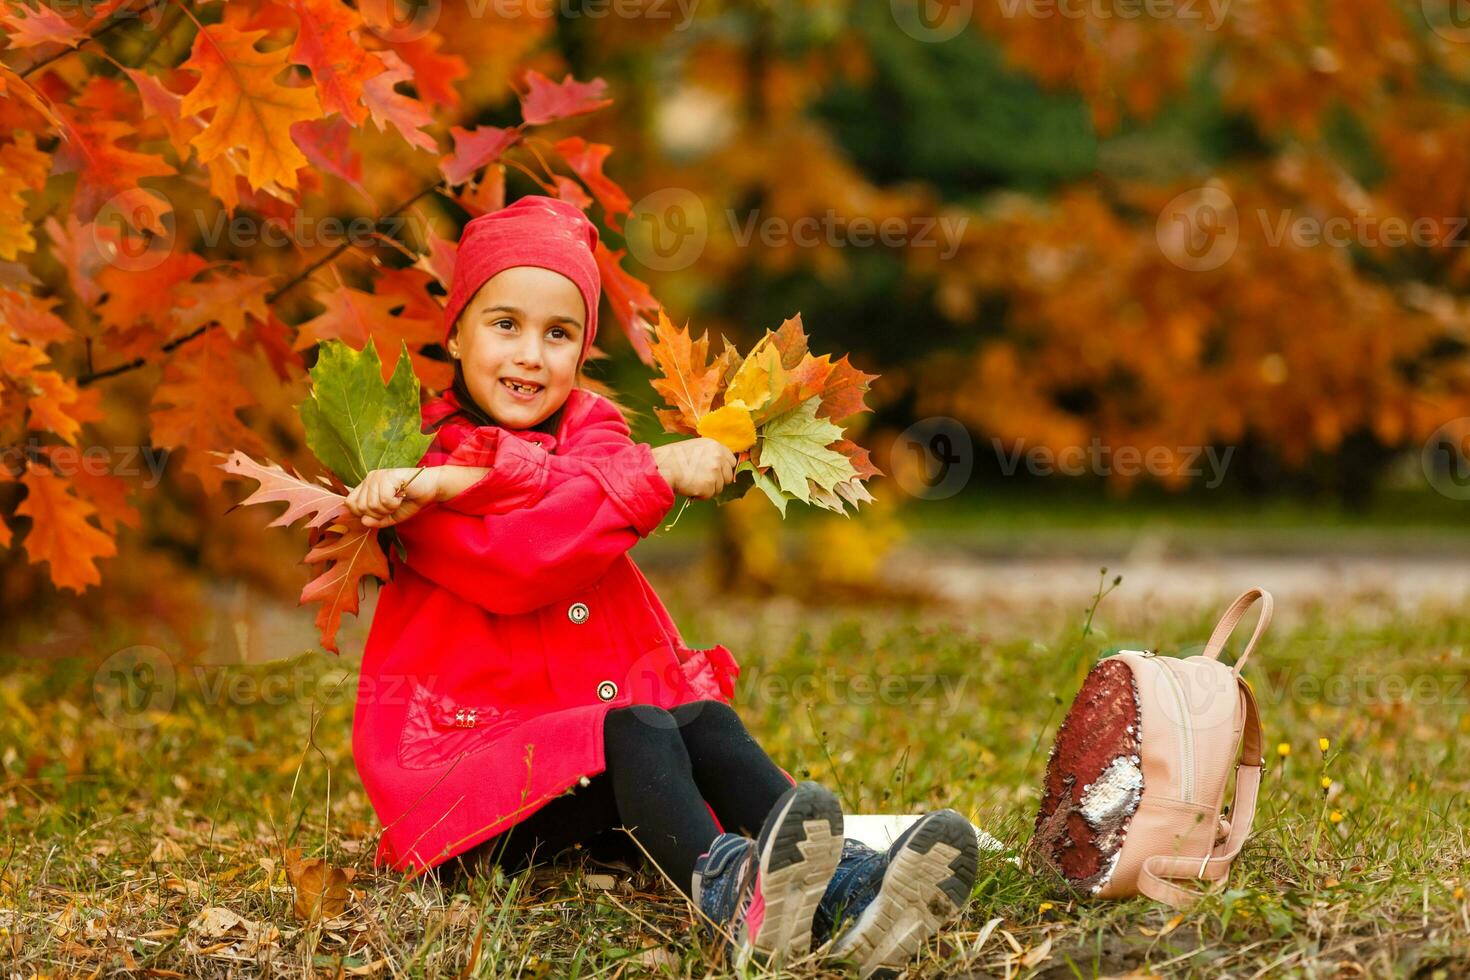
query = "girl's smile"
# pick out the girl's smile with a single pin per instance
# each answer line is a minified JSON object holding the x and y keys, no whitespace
{"x":519,"y":340}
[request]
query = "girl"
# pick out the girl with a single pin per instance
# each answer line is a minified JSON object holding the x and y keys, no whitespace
{"x":523,"y":687}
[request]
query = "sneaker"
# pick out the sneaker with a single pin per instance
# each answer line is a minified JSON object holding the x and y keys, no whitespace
{"x":722,"y":882}
{"x":764,"y":893}
{"x":892,"y":903}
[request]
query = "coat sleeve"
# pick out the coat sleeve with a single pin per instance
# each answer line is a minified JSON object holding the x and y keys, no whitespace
{"x":572,"y":519}
{"x":521,"y":470}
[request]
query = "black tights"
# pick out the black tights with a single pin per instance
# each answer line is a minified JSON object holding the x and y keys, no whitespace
{"x":662,"y":766}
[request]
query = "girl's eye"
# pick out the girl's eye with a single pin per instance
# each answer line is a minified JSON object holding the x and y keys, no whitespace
{"x":560,"y":333}
{"x":507,"y":324}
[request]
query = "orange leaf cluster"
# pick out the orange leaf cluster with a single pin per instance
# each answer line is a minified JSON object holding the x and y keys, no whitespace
{"x":172,"y":172}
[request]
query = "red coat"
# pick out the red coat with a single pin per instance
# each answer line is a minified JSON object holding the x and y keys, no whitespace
{"x":515,"y":624}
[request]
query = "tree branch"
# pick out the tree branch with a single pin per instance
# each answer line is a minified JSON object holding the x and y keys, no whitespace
{"x":270,"y":298}
{"x":118,"y":19}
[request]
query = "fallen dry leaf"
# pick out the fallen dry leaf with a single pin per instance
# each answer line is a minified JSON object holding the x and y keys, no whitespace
{"x":1038,"y":955}
{"x":321,"y":890}
{"x":165,"y":850}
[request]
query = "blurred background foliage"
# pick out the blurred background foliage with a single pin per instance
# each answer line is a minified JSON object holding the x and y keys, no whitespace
{"x":1089,"y":163}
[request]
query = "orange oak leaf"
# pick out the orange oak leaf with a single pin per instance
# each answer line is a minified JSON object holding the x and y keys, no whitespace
{"x":474,"y":148}
{"x":22,"y":168}
{"x":107,"y":97}
{"x":252,"y":111}
{"x":27,"y":27}
{"x":317,"y":502}
{"x":13,"y":87}
{"x":108,"y":493}
{"x":327,"y":44}
{"x":105,"y":168}
{"x":438,"y":261}
{"x":485,"y":196}
{"x":628,"y":297}
{"x":145,"y":294}
{"x":30,"y":318}
{"x":409,"y":285}
{"x":327,"y":143}
{"x":347,"y":549}
{"x":420,"y":321}
{"x":61,"y":533}
{"x":58,"y":405}
{"x":273,"y":339}
{"x":18,"y":360}
{"x":350,"y":552}
{"x":5,"y":534}
{"x":392,"y":108}
{"x":587,"y":159}
{"x":73,"y":245}
{"x":355,"y":317}
{"x":194,"y":406}
{"x":226,"y":300}
{"x":434,"y":72}
{"x":225,"y":171}
{"x":351,"y":316}
{"x":546,"y":101}
{"x":571,"y":191}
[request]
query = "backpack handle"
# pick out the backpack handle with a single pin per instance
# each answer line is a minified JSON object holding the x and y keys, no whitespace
{"x":1231,"y":619}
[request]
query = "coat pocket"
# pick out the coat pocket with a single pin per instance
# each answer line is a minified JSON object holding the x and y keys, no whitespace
{"x":711,"y":673}
{"x":439,"y":729}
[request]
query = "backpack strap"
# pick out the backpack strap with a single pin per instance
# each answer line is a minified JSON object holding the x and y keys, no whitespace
{"x":1216,"y":865}
{"x":1231,"y":619}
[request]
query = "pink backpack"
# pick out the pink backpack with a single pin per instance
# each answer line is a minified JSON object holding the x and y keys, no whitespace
{"x":1136,"y":779}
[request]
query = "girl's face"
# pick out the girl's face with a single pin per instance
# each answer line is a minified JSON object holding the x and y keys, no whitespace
{"x":519,"y":339}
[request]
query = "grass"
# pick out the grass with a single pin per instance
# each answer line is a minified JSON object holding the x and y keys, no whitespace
{"x":117,"y":839}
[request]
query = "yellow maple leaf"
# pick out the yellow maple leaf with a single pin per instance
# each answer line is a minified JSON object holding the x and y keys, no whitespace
{"x":252,"y":111}
{"x":731,"y":426}
{"x":759,"y":379}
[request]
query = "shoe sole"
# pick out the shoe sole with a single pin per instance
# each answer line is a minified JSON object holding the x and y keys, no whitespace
{"x":798,"y":851}
{"x":926,"y":886}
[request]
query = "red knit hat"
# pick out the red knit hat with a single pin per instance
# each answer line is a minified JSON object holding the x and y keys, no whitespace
{"x":535,"y":230}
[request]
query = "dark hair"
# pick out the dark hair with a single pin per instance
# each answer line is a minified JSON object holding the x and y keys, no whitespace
{"x":470,"y":409}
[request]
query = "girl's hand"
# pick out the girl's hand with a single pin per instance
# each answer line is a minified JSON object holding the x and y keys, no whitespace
{"x":695,"y":467}
{"x":379,"y":502}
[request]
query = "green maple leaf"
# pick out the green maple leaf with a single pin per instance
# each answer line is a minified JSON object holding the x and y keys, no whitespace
{"x":794,"y":446}
{"x":354,"y":422}
{"x":740,"y":486}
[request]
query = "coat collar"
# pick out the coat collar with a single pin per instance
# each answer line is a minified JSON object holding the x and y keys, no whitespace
{"x":452,"y":433}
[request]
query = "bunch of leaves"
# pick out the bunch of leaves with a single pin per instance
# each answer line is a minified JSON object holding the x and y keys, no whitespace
{"x":355,"y":423}
{"x":780,"y":409}
{"x":116,"y":128}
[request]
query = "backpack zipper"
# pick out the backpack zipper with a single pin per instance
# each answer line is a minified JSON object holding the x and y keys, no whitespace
{"x":1186,"y":733}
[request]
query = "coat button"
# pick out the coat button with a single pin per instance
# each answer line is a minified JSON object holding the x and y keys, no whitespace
{"x":607,"y":690}
{"x":578,"y":613}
